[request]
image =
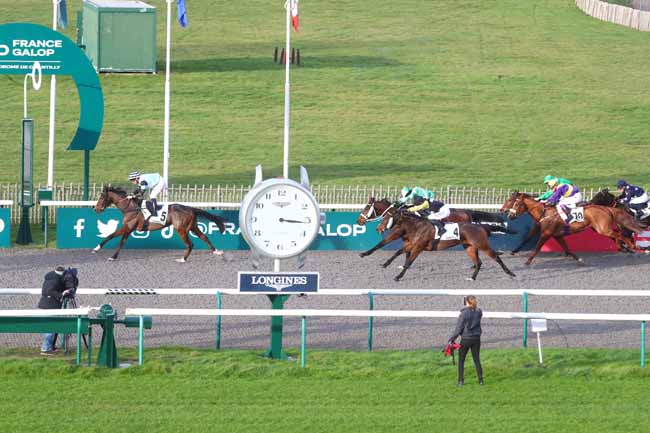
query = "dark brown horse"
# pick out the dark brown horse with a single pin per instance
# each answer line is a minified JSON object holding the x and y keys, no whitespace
{"x":183,"y":218}
{"x":375,"y":210}
{"x":606,"y":198}
{"x":419,"y":235}
{"x":551,"y":224}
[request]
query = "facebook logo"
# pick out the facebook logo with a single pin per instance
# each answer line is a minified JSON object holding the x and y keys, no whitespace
{"x":78,"y":227}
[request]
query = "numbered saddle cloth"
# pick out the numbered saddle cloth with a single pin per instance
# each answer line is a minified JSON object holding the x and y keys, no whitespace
{"x":452,"y":232}
{"x":578,"y":214}
{"x":162,"y":214}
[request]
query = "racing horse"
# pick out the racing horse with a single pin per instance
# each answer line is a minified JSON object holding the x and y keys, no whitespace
{"x":375,"y":210}
{"x":419,"y":235}
{"x":551,"y":225}
{"x":606,"y":198}
{"x":183,"y":218}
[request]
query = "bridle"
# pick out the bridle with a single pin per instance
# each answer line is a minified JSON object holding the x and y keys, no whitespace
{"x":515,"y":205}
{"x":368,"y":216}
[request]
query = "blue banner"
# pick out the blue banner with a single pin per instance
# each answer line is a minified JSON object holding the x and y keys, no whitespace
{"x":274,"y":283}
{"x":5,"y":228}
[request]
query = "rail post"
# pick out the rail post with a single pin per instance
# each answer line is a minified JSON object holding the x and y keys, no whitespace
{"x":140,"y":340}
{"x":303,"y":343}
{"x":643,"y":344}
{"x":525,"y":310}
{"x":218,"y":341}
{"x":78,"y":340}
{"x":371,"y":306}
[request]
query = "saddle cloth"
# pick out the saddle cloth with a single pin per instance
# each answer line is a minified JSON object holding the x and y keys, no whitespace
{"x":162,"y":214}
{"x":452,"y":233}
{"x":578,"y":214}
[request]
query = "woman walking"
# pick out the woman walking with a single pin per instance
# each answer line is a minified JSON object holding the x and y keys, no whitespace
{"x":468,"y":328}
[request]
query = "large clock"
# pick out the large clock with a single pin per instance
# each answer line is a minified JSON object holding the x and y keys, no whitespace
{"x":279,"y":218}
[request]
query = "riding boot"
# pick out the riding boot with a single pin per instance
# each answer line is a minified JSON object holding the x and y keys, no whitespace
{"x":145,"y":226}
{"x":154,"y":205}
{"x":569,"y":215}
{"x":440,"y":226}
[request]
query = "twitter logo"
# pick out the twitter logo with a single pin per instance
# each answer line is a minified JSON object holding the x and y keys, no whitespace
{"x":106,"y":229}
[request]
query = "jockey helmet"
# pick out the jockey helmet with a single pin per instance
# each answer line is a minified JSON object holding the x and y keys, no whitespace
{"x":550,"y":180}
{"x":406,"y":191}
{"x":621,"y":184}
{"x":134,"y":175}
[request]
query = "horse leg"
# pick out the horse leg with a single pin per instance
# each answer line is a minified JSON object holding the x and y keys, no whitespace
{"x":540,"y":243}
{"x":125,"y":236}
{"x":410,"y":258}
{"x":472,"y":252}
{"x":560,"y":240}
{"x":195,"y":229}
{"x":389,"y":261}
{"x":118,"y":232}
{"x":183,"y":233}
{"x":493,"y":255}
{"x":533,"y":230}
{"x":388,"y":239}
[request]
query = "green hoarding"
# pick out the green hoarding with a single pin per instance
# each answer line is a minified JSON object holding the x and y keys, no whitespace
{"x":83,"y":228}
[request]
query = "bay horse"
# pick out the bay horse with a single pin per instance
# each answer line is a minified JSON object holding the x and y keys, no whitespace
{"x":375,"y":210}
{"x":419,"y":235}
{"x":183,"y":218}
{"x":606,"y":198}
{"x":551,"y":224}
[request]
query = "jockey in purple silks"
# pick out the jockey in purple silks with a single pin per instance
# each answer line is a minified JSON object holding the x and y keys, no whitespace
{"x":564,"y":197}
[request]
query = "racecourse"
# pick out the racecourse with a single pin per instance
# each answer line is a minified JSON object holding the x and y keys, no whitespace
{"x":345,"y":270}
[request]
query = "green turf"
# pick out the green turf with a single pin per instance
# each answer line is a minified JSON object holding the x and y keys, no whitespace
{"x":183,"y":390}
{"x":489,"y":93}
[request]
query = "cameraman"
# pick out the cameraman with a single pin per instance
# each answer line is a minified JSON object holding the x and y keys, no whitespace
{"x":469,"y":329}
{"x":57,"y":285}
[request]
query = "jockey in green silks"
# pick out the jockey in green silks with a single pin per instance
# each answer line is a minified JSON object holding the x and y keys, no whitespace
{"x":422,"y":202}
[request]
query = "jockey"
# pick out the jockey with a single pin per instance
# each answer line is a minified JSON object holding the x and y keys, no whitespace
{"x":421,"y":200}
{"x":154,"y":183}
{"x":550,"y":190}
{"x":633,"y":196}
{"x":563,"y":194}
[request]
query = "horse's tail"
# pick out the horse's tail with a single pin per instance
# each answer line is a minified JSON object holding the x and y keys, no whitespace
{"x":485,"y":217}
{"x":210,"y":217}
{"x":497,"y":229}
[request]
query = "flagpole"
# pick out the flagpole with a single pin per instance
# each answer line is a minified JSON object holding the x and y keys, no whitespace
{"x":50,"y":147}
{"x":287,"y":103}
{"x":167,"y":95}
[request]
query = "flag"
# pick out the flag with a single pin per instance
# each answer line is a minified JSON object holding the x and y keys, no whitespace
{"x":62,"y":14}
{"x":294,"y":14}
{"x":182,"y":13}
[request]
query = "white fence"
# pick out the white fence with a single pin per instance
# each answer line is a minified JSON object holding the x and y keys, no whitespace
{"x":617,"y":14}
{"x":472,"y":197}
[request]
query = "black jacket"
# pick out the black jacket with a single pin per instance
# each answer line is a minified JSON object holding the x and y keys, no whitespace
{"x":53,"y":287}
{"x":469,"y":324}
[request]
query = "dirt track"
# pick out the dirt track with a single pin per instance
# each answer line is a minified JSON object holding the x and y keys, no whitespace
{"x":344,"y":270}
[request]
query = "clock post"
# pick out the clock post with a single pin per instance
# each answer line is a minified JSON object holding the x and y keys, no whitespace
{"x":279,"y":219}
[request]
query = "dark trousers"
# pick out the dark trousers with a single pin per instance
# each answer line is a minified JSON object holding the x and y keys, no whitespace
{"x":467,"y":344}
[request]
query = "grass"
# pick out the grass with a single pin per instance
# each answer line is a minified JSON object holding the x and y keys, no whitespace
{"x":183,"y":390}
{"x":490,"y":93}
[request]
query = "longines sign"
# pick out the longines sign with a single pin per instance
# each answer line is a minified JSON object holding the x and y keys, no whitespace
{"x":273,"y":283}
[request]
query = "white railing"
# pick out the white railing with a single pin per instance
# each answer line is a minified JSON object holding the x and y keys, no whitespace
{"x":141,"y":312}
{"x":84,"y":311}
{"x":6,"y":202}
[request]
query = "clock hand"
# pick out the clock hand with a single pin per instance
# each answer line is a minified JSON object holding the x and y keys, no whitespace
{"x":282,"y":220}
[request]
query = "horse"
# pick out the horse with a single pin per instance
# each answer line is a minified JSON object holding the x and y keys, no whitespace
{"x":551,"y":225}
{"x":419,"y":235}
{"x":375,"y":210}
{"x":183,"y":218}
{"x":606,"y":198}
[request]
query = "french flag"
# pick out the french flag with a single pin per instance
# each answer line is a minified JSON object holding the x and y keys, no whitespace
{"x":294,"y":14}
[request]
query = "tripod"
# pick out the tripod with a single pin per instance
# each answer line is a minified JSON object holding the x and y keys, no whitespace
{"x":68,"y":302}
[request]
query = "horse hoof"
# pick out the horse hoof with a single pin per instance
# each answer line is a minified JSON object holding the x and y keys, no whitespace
{"x":514,"y":253}
{"x":469,"y":279}
{"x":397,"y":278}
{"x":527,"y":262}
{"x":111,"y":259}
{"x":180,"y":260}
{"x":362,"y":255}
{"x":400,"y":267}
{"x":217,"y":252}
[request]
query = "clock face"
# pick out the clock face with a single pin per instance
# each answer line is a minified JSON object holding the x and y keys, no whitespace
{"x":282,"y":219}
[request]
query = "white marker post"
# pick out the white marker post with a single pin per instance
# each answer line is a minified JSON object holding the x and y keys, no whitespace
{"x":539,"y":325}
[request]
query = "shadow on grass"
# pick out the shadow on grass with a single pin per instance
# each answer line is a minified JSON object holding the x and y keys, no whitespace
{"x":266,"y":63}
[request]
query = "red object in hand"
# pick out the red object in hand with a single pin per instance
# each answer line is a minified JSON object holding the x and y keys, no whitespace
{"x":450,"y":347}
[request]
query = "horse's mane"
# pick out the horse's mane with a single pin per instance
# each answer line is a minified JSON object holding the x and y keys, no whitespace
{"x":115,"y":189}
